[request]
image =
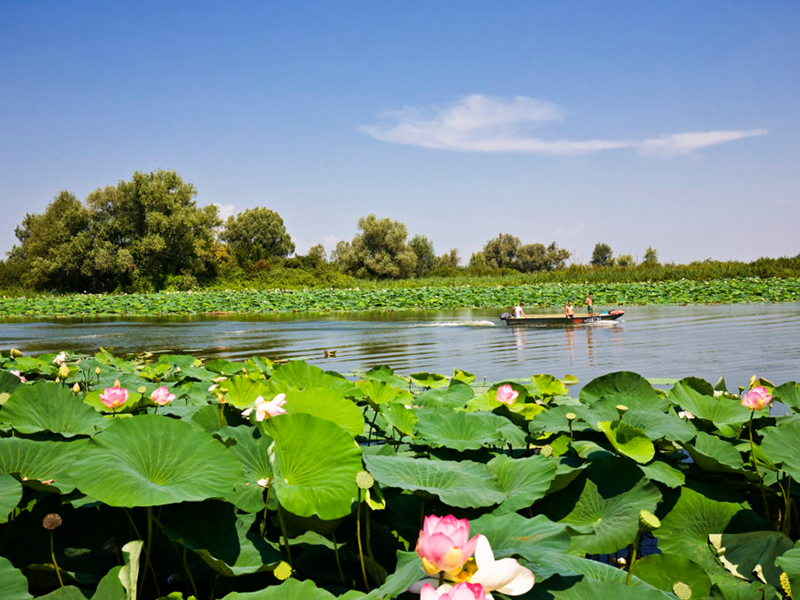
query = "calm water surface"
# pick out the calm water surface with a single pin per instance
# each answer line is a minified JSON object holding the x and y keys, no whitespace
{"x":734,"y":341}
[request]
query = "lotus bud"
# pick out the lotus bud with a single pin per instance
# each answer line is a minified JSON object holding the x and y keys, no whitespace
{"x":76,"y":388}
{"x":63,"y":371}
{"x":116,"y":383}
{"x":97,"y":370}
{"x":15,"y":353}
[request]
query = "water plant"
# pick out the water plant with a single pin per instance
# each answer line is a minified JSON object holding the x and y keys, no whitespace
{"x":249,"y":480}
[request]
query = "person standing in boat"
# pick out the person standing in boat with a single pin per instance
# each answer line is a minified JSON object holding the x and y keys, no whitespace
{"x":518,"y":312}
{"x":569,"y":311}
{"x":589,"y":302}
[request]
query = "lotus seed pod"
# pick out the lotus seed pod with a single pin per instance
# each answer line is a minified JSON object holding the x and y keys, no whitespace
{"x":648,"y":521}
{"x":547,"y":450}
{"x":15,"y":353}
{"x":571,"y":416}
{"x":283,"y":571}
{"x":51,"y":521}
{"x":622,"y":408}
{"x":141,"y":389}
{"x":364,"y":480}
{"x":63,"y":371}
{"x":681,"y":590}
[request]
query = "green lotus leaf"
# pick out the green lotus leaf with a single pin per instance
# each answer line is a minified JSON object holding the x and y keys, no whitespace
{"x":378,"y":393}
{"x":727,"y":414}
{"x":789,"y":561}
{"x":554,"y":420}
{"x":456,"y":395}
{"x":8,"y":382}
{"x":151,"y":460}
{"x":591,"y":589}
{"x":626,"y":388}
{"x":789,"y":394}
{"x":463,"y":484}
{"x":685,"y":529}
{"x":243,"y":391}
{"x":110,"y":587}
{"x":386,"y":375}
{"x":291,"y":589}
{"x":177,"y":360}
{"x":728,"y":587}
{"x":301,"y":375}
{"x":15,"y":584}
{"x":223,"y":540}
{"x":406,"y":573}
{"x":524,"y":480}
{"x":465,"y":376}
{"x":208,"y":418}
{"x":224,"y":367}
{"x":254,"y":451}
{"x":39,"y":461}
{"x":781,"y":444}
{"x":47,"y":406}
{"x":68,"y":592}
{"x":10,"y":495}
{"x":660,"y":471}
{"x":429,"y":380}
{"x":459,"y":430}
{"x":711,"y":453}
{"x":752,"y":555}
{"x":628,"y":440}
{"x":327,"y":404}
{"x":129,"y":573}
{"x":657,"y":425}
{"x":315,"y":465}
{"x":546,"y":386}
{"x":607,"y":500}
{"x":515,"y":535}
{"x":259,"y":364}
{"x":665,"y":570}
{"x":401,"y":418}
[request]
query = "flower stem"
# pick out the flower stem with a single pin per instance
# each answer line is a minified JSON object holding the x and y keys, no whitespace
{"x":755,"y":464}
{"x":55,"y":564}
{"x":285,"y":535}
{"x":266,"y":508}
{"x":633,"y":559}
{"x":148,"y":564}
{"x":338,"y":562}
{"x":358,"y":537}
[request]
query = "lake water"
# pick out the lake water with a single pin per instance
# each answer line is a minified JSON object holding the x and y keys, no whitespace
{"x":734,"y":341}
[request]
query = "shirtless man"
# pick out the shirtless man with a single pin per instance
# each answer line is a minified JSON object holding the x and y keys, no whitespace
{"x":518,"y":312}
{"x":589,"y":302}
{"x":569,"y":311}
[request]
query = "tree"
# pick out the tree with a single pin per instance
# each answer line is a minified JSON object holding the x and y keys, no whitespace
{"x":426,"y":256}
{"x":602,"y":255}
{"x":379,"y":251}
{"x":317,"y":254}
{"x":450,"y":259}
{"x":501,"y":251}
{"x":257,"y":234}
{"x":477,"y":260}
{"x":650,"y":257}
{"x":531,"y":257}
{"x":624,"y":260}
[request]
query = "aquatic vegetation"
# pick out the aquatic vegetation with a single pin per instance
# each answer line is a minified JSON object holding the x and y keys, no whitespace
{"x":400,"y":298}
{"x":371,"y":486}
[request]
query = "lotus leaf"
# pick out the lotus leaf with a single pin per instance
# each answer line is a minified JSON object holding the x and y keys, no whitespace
{"x":626,"y":388}
{"x":459,"y":430}
{"x":15,"y":585}
{"x":47,"y":406}
{"x":151,"y":460}
{"x":525,"y":480}
{"x":789,"y":394}
{"x":660,"y":471}
{"x":789,"y":561}
{"x":40,"y":461}
{"x":657,"y":425}
{"x":387,"y":375}
{"x":315,"y":465}
{"x":429,"y":380}
{"x":751,"y":555}
{"x":10,"y":495}
{"x":401,"y":418}
{"x":628,"y":440}
{"x":711,"y":453}
{"x":515,"y":535}
{"x":463,"y":484}
{"x":327,"y":404}
{"x":242,"y":391}
{"x":781,"y":445}
{"x":253,"y":449}
{"x":378,"y":393}
{"x":546,"y":386}
{"x":456,"y":395}
{"x":727,"y":414}
{"x":223,"y":540}
{"x":301,"y":375}
{"x":589,"y":589}
{"x":665,"y":570}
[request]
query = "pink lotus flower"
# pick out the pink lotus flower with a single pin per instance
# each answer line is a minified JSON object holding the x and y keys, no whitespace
{"x":17,"y":373}
{"x":265,"y":410}
{"x":114,"y":397}
{"x":685,"y":414}
{"x":460,"y":591}
{"x":444,"y":543}
{"x":506,"y":394}
{"x":757,"y":398}
{"x":161,"y":396}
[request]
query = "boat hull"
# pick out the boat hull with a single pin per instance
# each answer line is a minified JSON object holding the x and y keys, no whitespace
{"x":562,"y":320}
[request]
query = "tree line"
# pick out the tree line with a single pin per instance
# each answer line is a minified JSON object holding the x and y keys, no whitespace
{"x":149,"y":234}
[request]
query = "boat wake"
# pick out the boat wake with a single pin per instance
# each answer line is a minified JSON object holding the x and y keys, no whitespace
{"x":457,"y":324}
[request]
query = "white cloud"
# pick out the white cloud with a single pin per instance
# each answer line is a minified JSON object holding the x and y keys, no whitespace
{"x":225,"y":210}
{"x":569,"y":232}
{"x":479,"y":123}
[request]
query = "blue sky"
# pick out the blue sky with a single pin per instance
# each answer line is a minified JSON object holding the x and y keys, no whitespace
{"x":672,"y":124}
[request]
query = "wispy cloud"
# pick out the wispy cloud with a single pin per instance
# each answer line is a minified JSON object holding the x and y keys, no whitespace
{"x":225,"y":210}
{"x":479,"y":123}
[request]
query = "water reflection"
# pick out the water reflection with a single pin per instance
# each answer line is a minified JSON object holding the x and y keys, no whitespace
{"x":660,"y":341}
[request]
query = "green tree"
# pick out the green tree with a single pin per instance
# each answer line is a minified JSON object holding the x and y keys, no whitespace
{"x":602,"y":255}
{"x":317,"y":254}
{"x":151,"y":230}
{"x":379,"y":251}
{"x":451,"y":259}
{"x":257,"y":234}
{"x":502,"y":251}
{"x":650,"y":257}
{"x":624,"y":260}
{"x":477,"y":260}
{"x":426,"y":256}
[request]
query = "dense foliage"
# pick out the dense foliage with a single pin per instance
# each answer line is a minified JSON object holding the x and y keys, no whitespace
{"x":257,"y":234}
{"x":250,"y":480}
{"x":398,"y":298}
{"x":379,"y":251}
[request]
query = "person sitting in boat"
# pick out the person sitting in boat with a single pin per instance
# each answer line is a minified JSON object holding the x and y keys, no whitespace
{"x":589,"y":302}
{"x":569,"y":310}
{"x":518,"y":312}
